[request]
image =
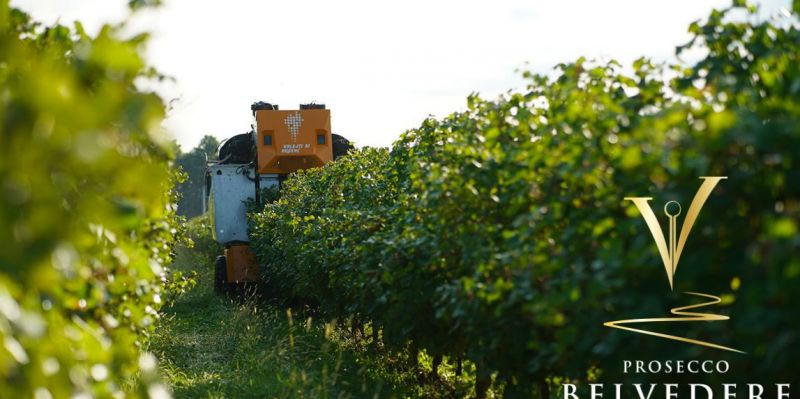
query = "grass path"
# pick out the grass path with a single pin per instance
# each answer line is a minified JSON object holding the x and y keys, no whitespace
{"x":213,"y":347}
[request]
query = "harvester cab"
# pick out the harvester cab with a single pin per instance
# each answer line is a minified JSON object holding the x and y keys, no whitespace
{"x":280,"y":143}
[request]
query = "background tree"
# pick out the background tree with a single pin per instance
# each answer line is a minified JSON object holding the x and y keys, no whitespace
{"x":193,"y":164}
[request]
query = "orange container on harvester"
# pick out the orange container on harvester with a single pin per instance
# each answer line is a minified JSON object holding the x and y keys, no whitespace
{"x":288,"y":141}
{"x":280,"y":143}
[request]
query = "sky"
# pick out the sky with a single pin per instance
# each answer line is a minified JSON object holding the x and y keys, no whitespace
{"x":380,"y":67}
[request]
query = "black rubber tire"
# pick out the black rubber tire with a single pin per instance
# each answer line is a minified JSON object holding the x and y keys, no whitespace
{"x":221,"y":276}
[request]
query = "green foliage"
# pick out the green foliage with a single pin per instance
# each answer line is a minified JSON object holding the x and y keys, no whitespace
{"x":200,"y":232}
{"x":139,"y":4}
{"x":500,"y":234}
{"x":87,"y":215}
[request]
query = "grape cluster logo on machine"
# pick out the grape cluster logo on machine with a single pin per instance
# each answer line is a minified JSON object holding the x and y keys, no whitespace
{"x":293,"y":123}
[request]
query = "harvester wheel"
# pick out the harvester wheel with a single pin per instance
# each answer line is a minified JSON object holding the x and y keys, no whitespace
{"x":221,"y":276}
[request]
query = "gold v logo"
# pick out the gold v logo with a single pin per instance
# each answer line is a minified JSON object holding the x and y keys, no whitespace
{"x":672,"y":253}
